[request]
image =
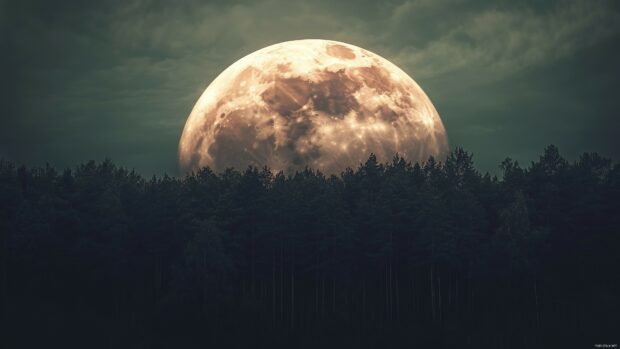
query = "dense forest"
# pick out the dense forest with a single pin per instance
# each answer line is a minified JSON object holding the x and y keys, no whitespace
{"x":382,"y":256}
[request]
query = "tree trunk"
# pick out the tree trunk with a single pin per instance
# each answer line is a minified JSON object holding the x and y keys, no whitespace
{"x":432,"y":295}
{"x":456,"y":295}
{"x":292,"y":295}
{"x":363,"y":299}
{"x":252,"y":267}
{"x":449,"y":291}
{"x":387,"y":292}
{"x":316,"y":289}
{"x":397,"y":296}
{"x":281,"y":281}
{"x":293,"y":287}
{"x":439,"y":296}
{"x":413,"y":302}
{"x":537,"y":311}
{"x":323,"y":297}
{"x":273,"y":288}
{"x":391,"y":282}
{"x":334,"y":297}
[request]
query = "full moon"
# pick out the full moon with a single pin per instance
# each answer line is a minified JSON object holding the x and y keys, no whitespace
{"x":310,"y":103}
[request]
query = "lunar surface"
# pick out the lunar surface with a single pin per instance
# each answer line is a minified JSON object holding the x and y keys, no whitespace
{"x":317,"y":103}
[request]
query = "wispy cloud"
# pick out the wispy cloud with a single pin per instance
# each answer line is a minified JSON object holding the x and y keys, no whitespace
{"x":499,"y":42}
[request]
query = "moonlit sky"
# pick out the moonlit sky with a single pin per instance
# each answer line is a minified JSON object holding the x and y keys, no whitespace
{"x":88,"y":80}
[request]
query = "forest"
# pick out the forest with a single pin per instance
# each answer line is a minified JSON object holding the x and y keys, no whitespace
{"x":386,"y":255}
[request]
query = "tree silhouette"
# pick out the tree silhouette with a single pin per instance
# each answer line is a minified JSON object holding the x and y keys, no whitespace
{"x":381,"y":255}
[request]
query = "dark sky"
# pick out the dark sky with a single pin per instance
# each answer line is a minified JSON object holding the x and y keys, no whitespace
{"x":87,"y":80}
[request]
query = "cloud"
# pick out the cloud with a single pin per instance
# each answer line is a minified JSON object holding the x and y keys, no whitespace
{"x":495,"y":43}
{"x":183,"y":46}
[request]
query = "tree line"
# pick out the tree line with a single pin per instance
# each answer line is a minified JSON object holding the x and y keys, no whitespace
{"x":385,"y":254}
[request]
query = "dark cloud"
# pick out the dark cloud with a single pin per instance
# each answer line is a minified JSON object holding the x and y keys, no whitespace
{"x":87,"y":80}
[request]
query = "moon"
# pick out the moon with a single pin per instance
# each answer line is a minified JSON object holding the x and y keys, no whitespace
{"x":310,"y":103}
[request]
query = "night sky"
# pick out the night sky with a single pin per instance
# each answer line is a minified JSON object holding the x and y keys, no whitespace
{"x":90,"y":80}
